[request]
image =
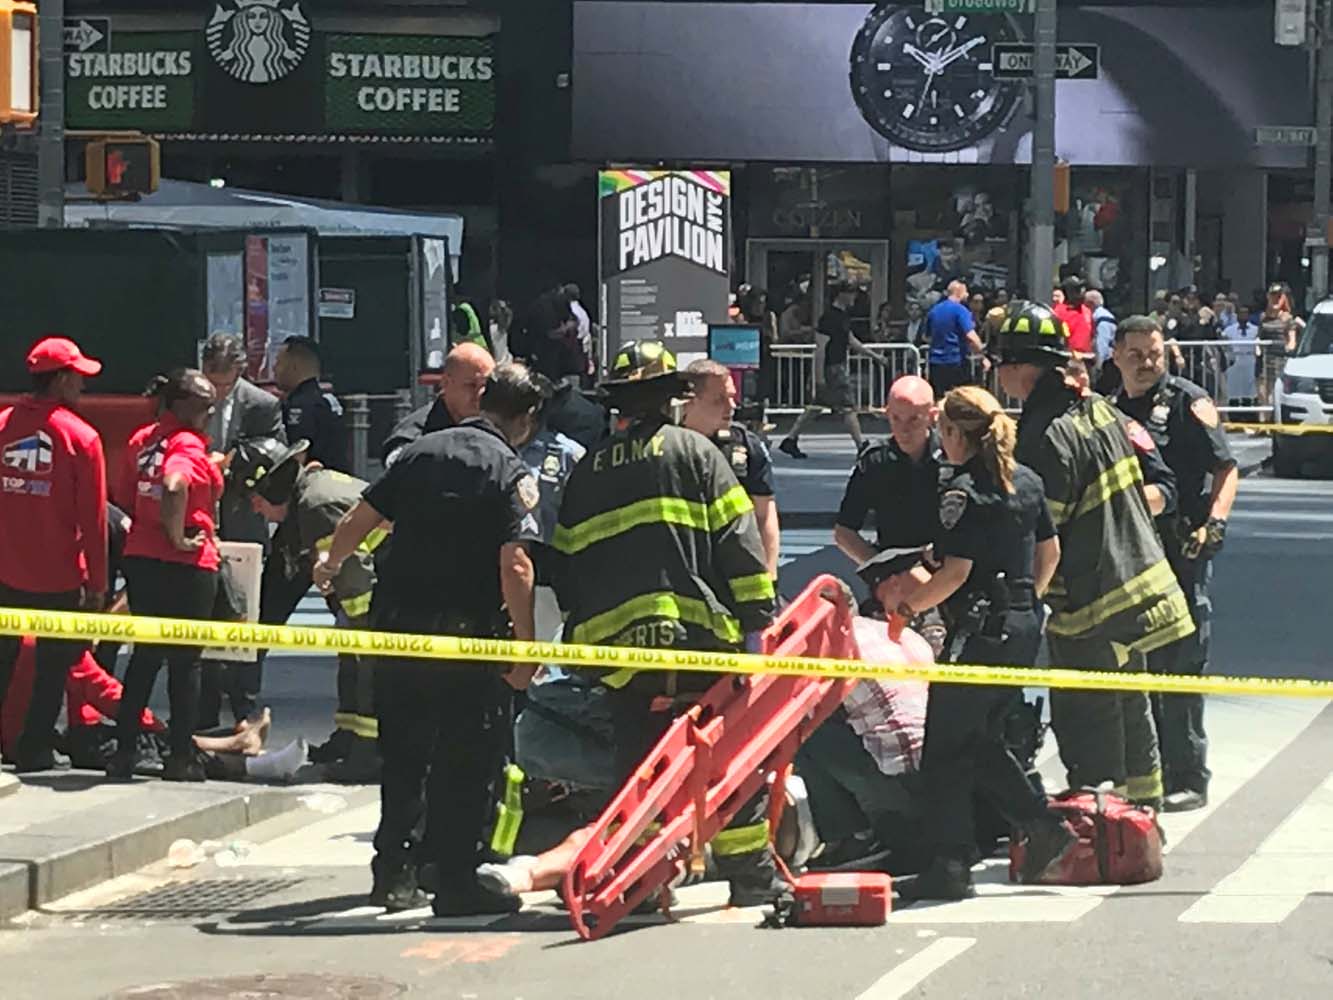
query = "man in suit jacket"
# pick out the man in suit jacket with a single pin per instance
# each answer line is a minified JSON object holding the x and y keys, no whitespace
{"x":243,"y":412}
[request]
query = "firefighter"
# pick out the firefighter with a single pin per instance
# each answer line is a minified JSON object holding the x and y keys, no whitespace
{"x":461,"y":503}
{"x":1113,"y":594}
{"x":659,"y":549}
{"x":709,"y":411}
{"x":1185,"y":425}
{"x":308,"y":412}
{"x":306,"y":501}
{"x":998,"y":551}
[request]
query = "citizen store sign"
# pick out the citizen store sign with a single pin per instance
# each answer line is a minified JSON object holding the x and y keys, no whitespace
{"x":262,"y":69}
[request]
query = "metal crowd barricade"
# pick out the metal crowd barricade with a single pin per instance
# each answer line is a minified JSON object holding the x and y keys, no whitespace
{"x":794,"y":375}
{"x":1237,"y":374}
{"x":370,"y":418}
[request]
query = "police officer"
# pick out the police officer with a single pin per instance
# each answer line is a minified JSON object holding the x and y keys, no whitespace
{"x":462,"y":381}
{"x":1113,"y":594}
{"x":998,"y":551}
{"x":460,"y":502}
{"x":660,"y":549}
{"x":550,"y":456}
{"x":709,"y":411}
{"x":306,"y":502}
{"x":308,"y":412}
{"x":897,"y":479}
{"x":1185,"y":425}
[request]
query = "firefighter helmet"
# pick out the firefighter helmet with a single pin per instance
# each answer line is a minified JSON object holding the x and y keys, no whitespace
{"x":641,"y":360}
{"x":1031,"y":334}
{"x":267,"y":467}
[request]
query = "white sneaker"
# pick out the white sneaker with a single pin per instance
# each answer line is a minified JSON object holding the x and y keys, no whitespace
{"x":281,"y":765}
{"x":511,"y":879}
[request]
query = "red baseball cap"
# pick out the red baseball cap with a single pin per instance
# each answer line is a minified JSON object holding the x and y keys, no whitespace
{"x":53,"y":354}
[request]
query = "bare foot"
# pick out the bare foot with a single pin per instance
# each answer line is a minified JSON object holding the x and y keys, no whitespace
{"x":254,"y":732}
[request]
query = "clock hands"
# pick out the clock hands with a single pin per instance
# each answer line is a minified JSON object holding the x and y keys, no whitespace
{"x":925,"y":59}
{"x":945,"y":58}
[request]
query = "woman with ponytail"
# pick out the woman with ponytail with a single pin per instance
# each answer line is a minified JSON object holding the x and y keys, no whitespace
{"x":998,"y":551}
{"x":171,"y":563}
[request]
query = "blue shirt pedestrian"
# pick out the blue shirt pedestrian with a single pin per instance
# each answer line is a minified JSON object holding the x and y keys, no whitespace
{"x":947,"y":324}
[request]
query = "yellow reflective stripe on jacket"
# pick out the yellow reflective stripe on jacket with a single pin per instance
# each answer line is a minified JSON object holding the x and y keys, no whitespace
{"x":728,"y":507}
{"x":1102,"y":415}
{"x":757,"y":587}
{"x":657,"y":605}
{"x":1059,"y":511}
{"x":1124,"y":475}
{"x":356,"y":607}
{"x":741,"y":840}
{"x":370,"y":543}
{"x":361,"y":725}
{"x":1158,"y":579}
{"x":619,"y":679}
{"x":652,"y":510}
{"x":1179,"y":624}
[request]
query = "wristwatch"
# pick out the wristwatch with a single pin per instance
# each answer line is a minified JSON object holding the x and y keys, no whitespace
{"x":926,"y":84}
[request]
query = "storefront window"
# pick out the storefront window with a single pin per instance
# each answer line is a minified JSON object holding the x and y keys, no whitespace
{"x":954,"y":224}
{"x":1102,"y":239}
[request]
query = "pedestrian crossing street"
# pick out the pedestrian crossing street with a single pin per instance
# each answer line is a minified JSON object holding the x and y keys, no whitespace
{"x":1248,"y":883}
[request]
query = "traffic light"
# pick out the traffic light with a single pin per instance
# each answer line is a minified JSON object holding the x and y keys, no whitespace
{"x":118,"y":168}
{"x":18,"y":62}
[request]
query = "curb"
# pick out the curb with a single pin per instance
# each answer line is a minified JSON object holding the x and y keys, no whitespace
{"x":8,"y":784}
{"x":46,"y":861}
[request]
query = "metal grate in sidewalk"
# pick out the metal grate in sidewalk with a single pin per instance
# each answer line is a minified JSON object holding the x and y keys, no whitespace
{"x":194,"y":899}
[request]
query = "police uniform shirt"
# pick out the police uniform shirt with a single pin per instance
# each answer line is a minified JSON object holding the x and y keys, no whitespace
{"x":1185,"y":424}
{"x":903,"y":494}
{"x":550,"y":457}
{"x":434,"y":416}
{"x":311,"y":413}
{"x":996,"y":530}
{"x":748,"y":457}
{"x":455,"y":497}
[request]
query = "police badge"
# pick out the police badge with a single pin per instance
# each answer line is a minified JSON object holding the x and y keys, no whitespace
{"x":953,"y":504}
{"x":528,"y":493}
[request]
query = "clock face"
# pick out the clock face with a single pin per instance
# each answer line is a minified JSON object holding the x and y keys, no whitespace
{"x":926,"y":82}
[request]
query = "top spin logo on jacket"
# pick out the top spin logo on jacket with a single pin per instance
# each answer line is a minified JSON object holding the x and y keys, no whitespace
{"x":258,"y":41}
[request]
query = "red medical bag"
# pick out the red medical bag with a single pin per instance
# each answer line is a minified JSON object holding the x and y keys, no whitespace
{"x":1119,"y":843}
{"x":841,"y":899}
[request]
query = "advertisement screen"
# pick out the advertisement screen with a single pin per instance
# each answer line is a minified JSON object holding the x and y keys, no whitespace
{"x":859,"y":82}
{"x":734,"y":345}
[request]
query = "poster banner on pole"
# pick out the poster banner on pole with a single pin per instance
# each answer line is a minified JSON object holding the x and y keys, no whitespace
{"x":277,"y":298}
{"x":665,"y":256}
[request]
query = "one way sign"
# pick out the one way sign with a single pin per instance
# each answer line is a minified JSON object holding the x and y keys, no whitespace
{"x":87,"y":34}
{"x":1014,"y":60}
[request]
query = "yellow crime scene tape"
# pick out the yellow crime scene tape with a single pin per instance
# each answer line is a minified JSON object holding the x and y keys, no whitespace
{"x":180,"y":631}
{"x":1296,"y":429}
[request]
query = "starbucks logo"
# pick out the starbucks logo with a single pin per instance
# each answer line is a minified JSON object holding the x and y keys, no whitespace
{"x":258,"y":41}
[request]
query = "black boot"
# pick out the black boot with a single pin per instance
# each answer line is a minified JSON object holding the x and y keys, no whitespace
{"x":945,"y":879}
{"x":753,"y":878}
{"x":359,"y":765}
{"x":395,"y":887}
{"x":468,"y":897}
{"x":334,"y":748}
{"x":1048,"y":841}
{"x":182,"y":767}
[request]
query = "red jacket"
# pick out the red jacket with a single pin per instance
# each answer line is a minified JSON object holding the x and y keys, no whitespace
{"x":91,"y":695}
{"x":52,"y":500}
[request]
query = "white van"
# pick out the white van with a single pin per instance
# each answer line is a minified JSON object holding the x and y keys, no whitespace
{"x":1304,"y":395}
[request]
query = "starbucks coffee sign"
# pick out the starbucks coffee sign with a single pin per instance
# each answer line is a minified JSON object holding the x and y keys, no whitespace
{"x":258,"y":41}
{"x":260,"y":69}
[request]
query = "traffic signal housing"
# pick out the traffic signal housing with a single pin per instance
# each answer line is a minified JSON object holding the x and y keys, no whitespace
{"x":122,"y":168}
{"x":18,"y":62}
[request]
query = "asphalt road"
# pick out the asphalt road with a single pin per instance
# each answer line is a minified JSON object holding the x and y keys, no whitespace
{"x":1243,"y":910}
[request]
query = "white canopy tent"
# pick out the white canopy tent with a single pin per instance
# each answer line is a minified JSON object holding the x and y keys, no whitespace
{"x":186,"y":205}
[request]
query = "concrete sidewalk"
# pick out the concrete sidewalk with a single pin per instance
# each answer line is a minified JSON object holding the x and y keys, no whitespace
{"x":65,"y":831}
